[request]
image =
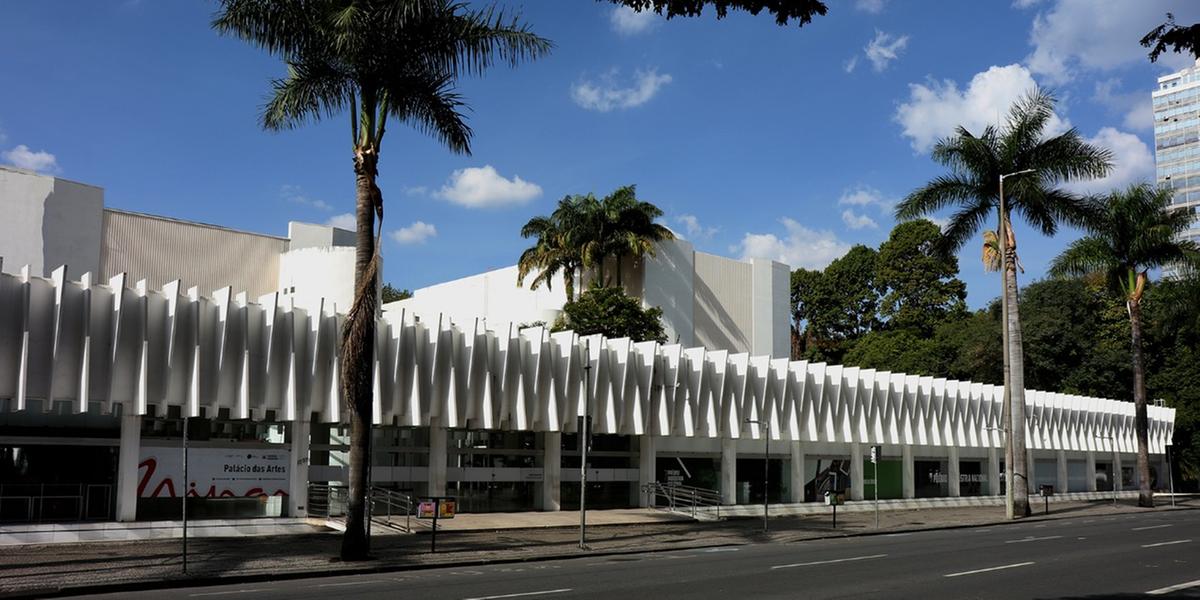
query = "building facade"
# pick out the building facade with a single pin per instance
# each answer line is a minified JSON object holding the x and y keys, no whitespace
{"x":99,"y":375}
{"x":1177,"y":140}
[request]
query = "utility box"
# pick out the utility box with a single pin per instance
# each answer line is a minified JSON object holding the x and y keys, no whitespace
{"x":1047,"y":490}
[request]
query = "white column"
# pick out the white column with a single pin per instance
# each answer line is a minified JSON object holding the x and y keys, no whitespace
{"x":1091,"y":471}
{"x":797,"y":472}
{"x":954,"y":470}
{"x":647,"y":462}
{"x":1031,"y":471}
{"x":856,"y":471}
{"x":728,"y":471}
{"x":994,"y":472}
{"x":297,"y":500}
{"x":1063,"y":480}
{"x":1117,"y":478}
{"x":437,"y":457}
{"x":552,"y":471}
{"x":127,"y":467}
{"x":909,"y":484}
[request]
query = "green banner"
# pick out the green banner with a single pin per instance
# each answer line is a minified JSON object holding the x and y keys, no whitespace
{"x":891,"y":484}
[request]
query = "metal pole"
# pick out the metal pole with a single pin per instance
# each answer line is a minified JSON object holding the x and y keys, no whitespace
{"x":766,"y":471}
{"x":875,"y":467}
{"x":1002,"y":243}
{"x":185,"y":490}
{"x":1171,"y":475}
{"x":583,"y":445}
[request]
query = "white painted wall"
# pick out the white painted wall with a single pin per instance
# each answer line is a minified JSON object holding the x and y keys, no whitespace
{"x":723,"y":312}
{"x":668,"y":281}
{"x":770,"y":302}
{"x":48,"y":222}
{"x":493,"y":295}
{"x":309,"y":274}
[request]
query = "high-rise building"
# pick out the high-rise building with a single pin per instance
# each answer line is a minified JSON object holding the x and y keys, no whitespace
{"x":1177,"y":139}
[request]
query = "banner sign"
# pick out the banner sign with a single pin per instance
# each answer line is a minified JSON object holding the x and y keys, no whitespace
{"x":214,"y":472}
{"x":445,"y":508}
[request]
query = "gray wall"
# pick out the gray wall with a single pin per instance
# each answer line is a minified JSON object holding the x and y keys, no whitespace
{"x":311,"y":235}
{"x":668,"y":282}
{"x":723,"y":314}
{"x":48,"y":222}
{"x":161,"y":250}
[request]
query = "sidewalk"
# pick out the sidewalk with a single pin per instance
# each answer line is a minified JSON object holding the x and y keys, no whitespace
{"x":113,"y":566}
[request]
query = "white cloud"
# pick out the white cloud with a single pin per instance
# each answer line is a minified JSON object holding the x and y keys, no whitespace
{"x":1132,"y":162}
{"x":800,"y":247}
{"x":870,"y":6}
{"x":296,"y":195}
{"x":416,"y":190}
{"x":627,"y":21}
{"x":1025,"y":3}
{"x":935,"y":109}
{"x":885,"y":48}
{"x":1136,"y":108}
{"x":849,"y":65}
{"x":1080,"y":35}
{"x":864,"y":195}
{"x":343,"y":221}
{"x":608,"y":95}
{"x":40,"y":160}
{"x":854,"y":220}
{"x":417,"y":233}
{"x":693,"y":229}
{"x":483,"y":187}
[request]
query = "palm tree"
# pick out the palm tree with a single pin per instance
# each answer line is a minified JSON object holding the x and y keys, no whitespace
{"x":1131,"y":232}
{"x":628,"y":228}
{"x":373,"y":59}
{"x":558,"y":247}
{"x":977,"y":163}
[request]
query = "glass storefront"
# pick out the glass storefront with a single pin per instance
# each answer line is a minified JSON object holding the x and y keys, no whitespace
{"x":616,"y":452}
{"x":971,"y":478}
{"x":750,"y":480}
{"x":931,"y":479}
{"x":826,"y":475}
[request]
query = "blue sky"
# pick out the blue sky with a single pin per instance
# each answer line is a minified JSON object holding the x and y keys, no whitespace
{"x":757,"y":140}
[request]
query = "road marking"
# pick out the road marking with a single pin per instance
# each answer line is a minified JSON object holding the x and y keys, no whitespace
{"x":720,"y":550}
{"x":896,"y":534}
{"x":346,"y":583}
{"x":1165,"y":543}
{"x":827,"y":562}
{"x":225,"y":593}
{"x":1174,"y":588}
{"x":1033,"y":539}
{"x":518,"y":595}
{"x":1150,"y":527}
{"x":1012,"y":566}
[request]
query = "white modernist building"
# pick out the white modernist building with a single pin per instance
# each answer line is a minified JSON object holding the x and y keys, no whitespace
{"x":96,"y":376}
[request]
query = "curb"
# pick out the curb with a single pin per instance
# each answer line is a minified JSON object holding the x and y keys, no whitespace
{"x":213,"y":580}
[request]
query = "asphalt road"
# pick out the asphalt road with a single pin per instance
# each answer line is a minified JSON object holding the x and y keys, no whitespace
{"x":1121,"y":556}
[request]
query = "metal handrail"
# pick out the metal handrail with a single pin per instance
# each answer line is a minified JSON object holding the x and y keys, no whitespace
{"x":330,"y":502}
{"x":682,"y":498}
{"x":395,"y":503}
{"x":78,"y":495}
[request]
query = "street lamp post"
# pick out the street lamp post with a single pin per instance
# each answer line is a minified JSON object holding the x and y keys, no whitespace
{"x":766,"y":428}
{"x":1002,"y":241}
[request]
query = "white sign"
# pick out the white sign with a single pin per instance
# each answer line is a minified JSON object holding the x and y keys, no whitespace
{"x":214,"y":472}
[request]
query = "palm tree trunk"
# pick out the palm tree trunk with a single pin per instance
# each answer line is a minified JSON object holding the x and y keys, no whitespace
{"x":1015,"y":387}
{"x":569,"y":283}
{"x":358,"y":355}
{"x":1145,"y":495}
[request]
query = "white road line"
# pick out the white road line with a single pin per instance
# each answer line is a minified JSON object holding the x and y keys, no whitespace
{"x":896,"y":534}
{"x":1150,"y":527}
{"x":827,"y":562}
{"x":225,"y":593}
{"x":1174,"y":588}
{"x":346,"y":583}
{"x":1172,"y":543}
{"x":518,"y":595}
{"x":1033,"y":539}
{"x":1001,"y":567}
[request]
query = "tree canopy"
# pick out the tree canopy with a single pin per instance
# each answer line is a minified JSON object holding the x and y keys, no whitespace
{"x":1179,"y":38}
{"x":801,"y":11}
{"x":612,"y":312}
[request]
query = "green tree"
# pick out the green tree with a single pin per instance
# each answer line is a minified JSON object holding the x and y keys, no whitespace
{"x":389,"y":293}
{"x":1173,"y":367}
{"x":803,"y":290}
{"x":612,"y":312}
{"x":373,"y":59}
{"x":558,"y":245}
{"x":977,"y":163}
{"x":1075,"y":339}
{"x":802,"y":11}
{"x":1180,"y":38}
{"x":837,"y":305}
{"x":1131,"y":232}
{"x":627,"y":227}
{"x":920,"y":283}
